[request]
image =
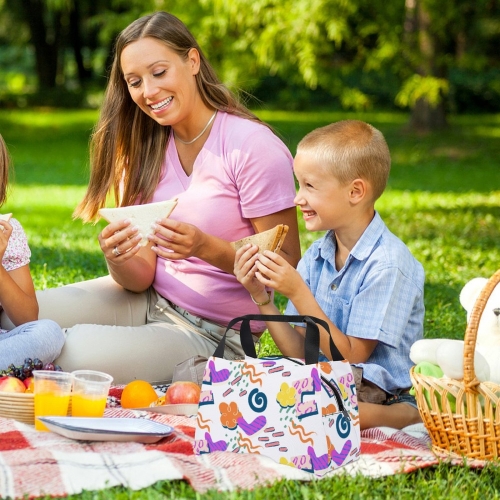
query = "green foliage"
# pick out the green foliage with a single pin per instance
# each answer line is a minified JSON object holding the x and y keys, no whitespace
{"x":417,"y":87}
{"x":443,"y":201}
{"x":328,"y":45}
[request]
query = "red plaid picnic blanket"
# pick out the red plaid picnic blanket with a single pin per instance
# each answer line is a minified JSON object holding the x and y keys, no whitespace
{"x":44,"y":463}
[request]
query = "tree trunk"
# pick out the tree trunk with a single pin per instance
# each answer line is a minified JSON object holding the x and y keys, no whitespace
{"x":45,"y":42}
{"x":424,"y":116}
{"x":75,"y":38}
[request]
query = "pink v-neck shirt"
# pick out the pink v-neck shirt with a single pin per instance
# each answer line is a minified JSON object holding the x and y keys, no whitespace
{"x":244,"y":171}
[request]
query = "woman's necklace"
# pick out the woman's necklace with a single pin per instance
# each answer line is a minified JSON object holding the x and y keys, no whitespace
{"x":200,"y":134}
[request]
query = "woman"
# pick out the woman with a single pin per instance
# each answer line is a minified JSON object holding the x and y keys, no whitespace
{"x":170,"y":129}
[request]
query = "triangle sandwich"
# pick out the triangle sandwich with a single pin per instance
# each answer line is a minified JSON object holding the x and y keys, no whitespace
{"x":272,"y":239}
{"x":142,"y":216}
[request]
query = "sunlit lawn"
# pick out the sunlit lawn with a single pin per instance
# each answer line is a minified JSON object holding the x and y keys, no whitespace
{"x":443,"y":200}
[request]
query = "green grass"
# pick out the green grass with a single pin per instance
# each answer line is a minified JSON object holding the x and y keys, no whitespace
{"x":443,"y":201}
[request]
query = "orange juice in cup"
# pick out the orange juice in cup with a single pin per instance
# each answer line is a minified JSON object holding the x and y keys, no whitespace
{"x":52,"y":391}
{"x":90,"y":393}
{"x":87,"y":406}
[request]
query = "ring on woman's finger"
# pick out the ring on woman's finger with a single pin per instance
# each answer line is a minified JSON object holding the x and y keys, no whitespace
{"x":116,"y":252}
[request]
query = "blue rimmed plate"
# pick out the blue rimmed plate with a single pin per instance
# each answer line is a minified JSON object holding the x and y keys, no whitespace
{"x":137,"y":430}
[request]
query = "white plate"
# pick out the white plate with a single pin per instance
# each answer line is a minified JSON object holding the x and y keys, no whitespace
{"x":108,"y":429}
{"x":180,"y":409}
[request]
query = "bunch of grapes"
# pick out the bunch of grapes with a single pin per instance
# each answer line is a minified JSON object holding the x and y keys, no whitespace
{"x":26,"y":370}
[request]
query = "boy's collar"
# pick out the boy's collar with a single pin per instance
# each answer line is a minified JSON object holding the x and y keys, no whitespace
{"x":364,"y":246}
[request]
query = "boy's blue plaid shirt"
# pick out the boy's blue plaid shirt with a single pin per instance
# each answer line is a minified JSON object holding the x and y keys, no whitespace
{"x":378,"y":294}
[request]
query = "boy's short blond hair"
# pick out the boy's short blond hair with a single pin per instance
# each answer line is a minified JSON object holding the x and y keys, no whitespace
{"x":351,"y":149}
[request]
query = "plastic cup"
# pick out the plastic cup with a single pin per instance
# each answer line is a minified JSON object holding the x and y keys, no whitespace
{"x":52,"y":391}
{"x":90,"y":393}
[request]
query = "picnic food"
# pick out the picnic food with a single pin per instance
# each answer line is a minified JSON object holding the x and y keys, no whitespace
{"x":11,"y":384}
{"x":29,"y":383}
{"x":272,"y":239}
{"x":142,"y":216}
{"x":11,"y":378}
{"x":181,"y":392}
{"x":138,"y":394}
{"x":26,"y":370}
{"x":4,"y":217}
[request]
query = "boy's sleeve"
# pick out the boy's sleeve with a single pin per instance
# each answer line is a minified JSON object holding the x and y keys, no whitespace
{"x":382,"y":310}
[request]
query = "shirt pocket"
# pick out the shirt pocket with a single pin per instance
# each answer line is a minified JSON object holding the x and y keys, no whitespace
{"x":342,"y":308}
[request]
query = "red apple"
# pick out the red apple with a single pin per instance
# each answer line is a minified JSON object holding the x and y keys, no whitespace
{"x":183,"y":393}
{"x":11,"y":384}
{"x":29,"y":384}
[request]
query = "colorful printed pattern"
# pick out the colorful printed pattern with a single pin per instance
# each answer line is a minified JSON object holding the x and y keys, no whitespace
{"x":305,"y":416}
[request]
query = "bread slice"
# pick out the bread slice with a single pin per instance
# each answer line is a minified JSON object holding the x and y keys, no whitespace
{"x":272,"y":239}
{"x":5,"y":217}
{"x":142,"y":216}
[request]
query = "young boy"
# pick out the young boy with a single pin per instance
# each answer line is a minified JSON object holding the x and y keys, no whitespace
{"x":359,"y":277}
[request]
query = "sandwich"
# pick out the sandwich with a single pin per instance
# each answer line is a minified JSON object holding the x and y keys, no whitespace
{"x":142,"y":216}
{"x":272,"y":239}
{"x":6,"y":218}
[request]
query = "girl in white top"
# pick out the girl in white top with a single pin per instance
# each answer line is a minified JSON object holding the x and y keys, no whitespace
{"x":28,"y":338}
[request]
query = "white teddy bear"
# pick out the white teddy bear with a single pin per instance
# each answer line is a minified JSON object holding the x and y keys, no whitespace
{"x":448,"y":354}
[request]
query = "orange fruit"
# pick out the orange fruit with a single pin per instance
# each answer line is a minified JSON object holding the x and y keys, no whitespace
{"x":138,"y":394}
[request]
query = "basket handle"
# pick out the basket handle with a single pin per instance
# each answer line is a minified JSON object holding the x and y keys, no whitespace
{"x":470,"y":338}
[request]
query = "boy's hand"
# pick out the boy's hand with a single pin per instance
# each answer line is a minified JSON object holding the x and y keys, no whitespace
{"x":275,"y":272}
{"x":245,"y":266}
{"x":5,"y":232}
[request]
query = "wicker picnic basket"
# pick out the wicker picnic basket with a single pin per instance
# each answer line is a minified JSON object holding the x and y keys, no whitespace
{"x":20,"y":406}
{"x":462,"y":416}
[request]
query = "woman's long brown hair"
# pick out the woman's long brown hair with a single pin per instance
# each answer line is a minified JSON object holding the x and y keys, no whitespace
{"x":127,"y":147}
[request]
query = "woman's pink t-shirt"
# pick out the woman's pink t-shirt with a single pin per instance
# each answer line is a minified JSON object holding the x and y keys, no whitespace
{"x":243,"y":171}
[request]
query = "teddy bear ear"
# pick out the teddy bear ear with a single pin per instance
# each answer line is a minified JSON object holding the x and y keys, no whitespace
{"x":470,"y":292}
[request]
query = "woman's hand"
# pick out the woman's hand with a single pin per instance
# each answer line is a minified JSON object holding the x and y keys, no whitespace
{"x":175,"y":240}
{"x":5,"y":232}
{"x":130,"y":265}
{"x":245,"y":268}
{"x":119,"y":241}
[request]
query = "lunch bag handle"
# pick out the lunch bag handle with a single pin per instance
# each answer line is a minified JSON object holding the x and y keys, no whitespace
{"x":311,"y":345}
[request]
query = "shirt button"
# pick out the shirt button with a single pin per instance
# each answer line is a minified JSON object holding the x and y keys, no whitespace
{"x":334,"y":287}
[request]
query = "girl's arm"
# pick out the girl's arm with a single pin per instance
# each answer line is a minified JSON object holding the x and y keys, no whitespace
{"x":17,"y":292}
{"x":17,"y":295}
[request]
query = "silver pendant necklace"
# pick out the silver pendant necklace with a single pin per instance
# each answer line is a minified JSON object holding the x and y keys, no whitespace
{"x":200,"y":134}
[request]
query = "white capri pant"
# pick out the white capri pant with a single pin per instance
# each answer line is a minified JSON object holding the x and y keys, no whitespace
{"x":128,"y":335}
